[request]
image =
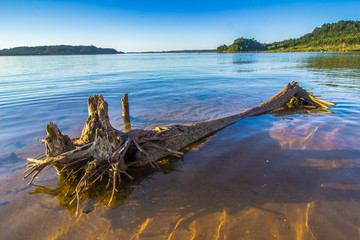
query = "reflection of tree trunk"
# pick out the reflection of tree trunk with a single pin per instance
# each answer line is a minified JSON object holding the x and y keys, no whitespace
{"x":104,"y":152}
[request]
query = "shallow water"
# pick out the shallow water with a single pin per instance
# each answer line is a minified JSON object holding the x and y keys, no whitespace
{"x":279,"y":176}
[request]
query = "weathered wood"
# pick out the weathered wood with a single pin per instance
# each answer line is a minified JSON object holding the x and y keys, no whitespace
{"x":126,"y":112}
{"x":98,"y":119}
{"x":55,"y":142}
{"x":125,"y":105}
{"x":104,"y":151}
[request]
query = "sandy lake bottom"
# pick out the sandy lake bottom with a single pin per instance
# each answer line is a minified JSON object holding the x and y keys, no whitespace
{"x":276,"y":176}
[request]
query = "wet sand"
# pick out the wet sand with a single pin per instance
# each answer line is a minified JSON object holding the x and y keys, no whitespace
{"x":263,"y":178}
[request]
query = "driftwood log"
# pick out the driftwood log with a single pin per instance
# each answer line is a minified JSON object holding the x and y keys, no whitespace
{"x":103,"y":153}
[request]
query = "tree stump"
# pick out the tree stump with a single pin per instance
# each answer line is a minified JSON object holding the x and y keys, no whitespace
{"x":103,"y":152}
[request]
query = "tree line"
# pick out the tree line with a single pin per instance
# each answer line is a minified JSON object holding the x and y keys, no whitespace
{"x":57,"y":50}
{"x":340,"y":36}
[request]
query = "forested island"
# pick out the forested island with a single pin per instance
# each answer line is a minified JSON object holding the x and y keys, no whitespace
{"x":342,"y":36}
{"x":57,"y":50}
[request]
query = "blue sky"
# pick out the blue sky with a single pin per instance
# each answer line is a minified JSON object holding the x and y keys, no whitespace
{"x":138,"y":25}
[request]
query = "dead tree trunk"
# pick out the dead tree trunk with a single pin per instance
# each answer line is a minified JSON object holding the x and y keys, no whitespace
{"x":126,"y":112}
{"x":103,"y":152}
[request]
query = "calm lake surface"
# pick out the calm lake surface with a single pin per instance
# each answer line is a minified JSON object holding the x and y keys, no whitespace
{"x":275,"y":176}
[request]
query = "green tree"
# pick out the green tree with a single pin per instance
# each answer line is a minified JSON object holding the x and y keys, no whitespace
{"x":246,"y":45}
{"x":222,"y":49}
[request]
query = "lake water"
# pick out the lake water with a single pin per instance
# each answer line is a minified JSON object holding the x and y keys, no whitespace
{"x":275,"y":176}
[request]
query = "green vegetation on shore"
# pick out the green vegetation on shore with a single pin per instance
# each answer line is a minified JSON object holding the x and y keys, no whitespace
{"x":334,"y":37}
{"x":57,"y":50}
{"x":242,"y":45}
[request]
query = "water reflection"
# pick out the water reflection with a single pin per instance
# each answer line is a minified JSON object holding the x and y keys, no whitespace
{"x":317,"y":132}
{"x":334,"y":61}
{"x":337,"y":70}
{"x":285,"y":111}
{"x":98,"y":194}
{"x":244,"y":63}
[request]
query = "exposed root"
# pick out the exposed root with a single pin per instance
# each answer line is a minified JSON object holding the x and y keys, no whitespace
{"x":103,"y":152}
{"x":304,"y":98}
{"x":102,"y":158}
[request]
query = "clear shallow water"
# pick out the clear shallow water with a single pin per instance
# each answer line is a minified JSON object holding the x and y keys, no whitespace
{"x":268,"y":177}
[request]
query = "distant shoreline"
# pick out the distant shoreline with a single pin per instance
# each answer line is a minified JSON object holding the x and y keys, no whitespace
{"x":100,"y":52}
{"x":57,"y":50}
{"x":176,"y":51}
{"x":25,"y":55}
